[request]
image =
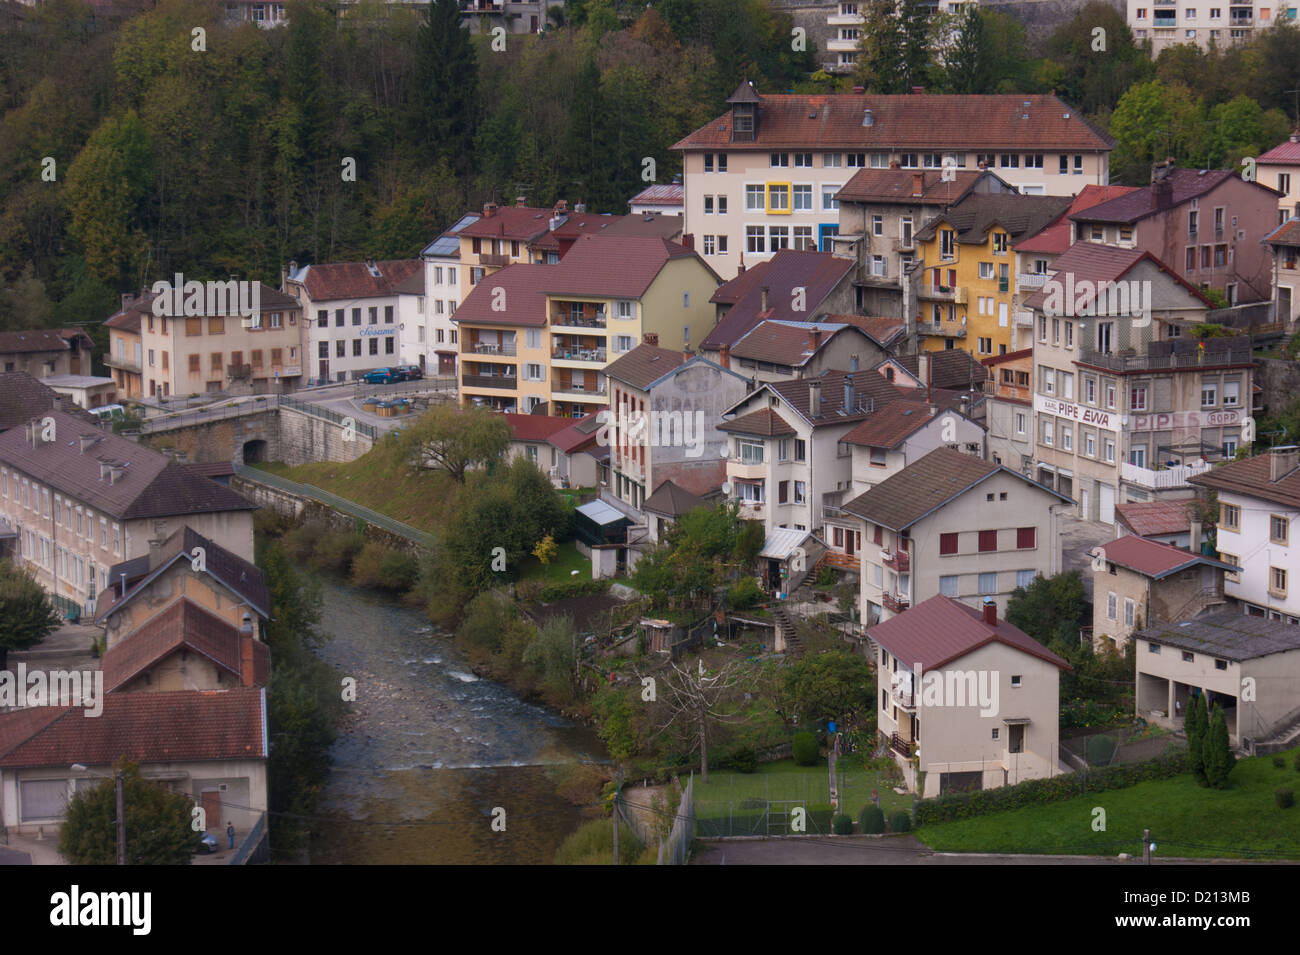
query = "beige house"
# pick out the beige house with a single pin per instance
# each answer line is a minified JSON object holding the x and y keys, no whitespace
{"x":1279,"y":168}
{"x":44,"y":352}
{"x":954,"y":524}
{"x":1138,"y":582}
{"x":973,"y":699}
{"x":778,"y":350}
{"x":1285,"y":244}
{"x":82,"y":500}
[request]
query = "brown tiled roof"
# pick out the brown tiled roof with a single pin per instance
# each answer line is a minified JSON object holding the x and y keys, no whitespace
{"x":534,"y":427}
{"x":1251,"y":478}
{"x":818,"y":273}
{"x":579,"y":435}
{"x":764,"y":422}
{"x":23,"y":397}
{"x":34,"y":340}
{"x":1140,"y":203}
{"x":882,"y":331}
{"x":974,"y":217}
{"x":870,"y":391}
{"x":1155,"y":518}
{"x":1093,"y":262}
{"x":413,"y":284}
{"x":127,"y":319}
{"x":671,"y":500}
{"x":229,"y":569}
{"x":1056,"y":237}
{"x":525,"y":302}
{"x":151,"y":485}
{"x":950,"y":368}
{"x":615,"y":265}
{"x":511,"y":222}
{"x":926,"y":485}
{"x":940,"y":630}
{"x":644,"y":365}
{"x":647,"y":224}
{"x":733,"y":290}
{"x":785,"y":343}
{"x":898,"y":185}
{"x":1288,"y":233}
{"x":143,"y":727}
{"x":182,"y":624}
{"x":976,"y":122}
{"x":667,"y":194}
{"x":575,"y":225}
{"x":1286,"y":153}
{"x":1152,"y":558}
{"x":350,"y":280}
{"x":891,"y":425}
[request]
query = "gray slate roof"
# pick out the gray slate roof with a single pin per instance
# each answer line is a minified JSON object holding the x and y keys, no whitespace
{"x":1229,"y":635}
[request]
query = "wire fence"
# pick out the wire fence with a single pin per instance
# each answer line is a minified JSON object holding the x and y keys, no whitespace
{"x":675,"y":850}
{"x":765,"y":804}
{"x":320,"y":495}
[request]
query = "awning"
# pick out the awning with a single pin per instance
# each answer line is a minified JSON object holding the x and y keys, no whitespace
{"x":1015,"y":720}
{"x":601,"y":513}
{"x":784,"y":541}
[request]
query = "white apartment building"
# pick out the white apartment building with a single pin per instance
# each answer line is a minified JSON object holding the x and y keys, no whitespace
{"x":1166,"y":23}
{"x":1279,"y":169}
{"x":427,"y":301}
{"x":764,"y":176}
{"x":845,"y":21}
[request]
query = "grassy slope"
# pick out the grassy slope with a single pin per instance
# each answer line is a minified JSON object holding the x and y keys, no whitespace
{"x":784,"y":780}
{"x":1184,"y":819}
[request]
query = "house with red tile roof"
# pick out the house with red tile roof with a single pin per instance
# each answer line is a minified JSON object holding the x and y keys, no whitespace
{"x":45,"y":352}
{"x":775,"y":350}
{"x":559,"y":447}
{"x":973,"y":699}
{"x":666,"y":199}
{"x":777,"y":162}
{"x":211,"y":745}
{"x":1280,"y":169}
{"x":1169,"y":522}
{"x":1206,"y":225}
{"x":1138,"y":582}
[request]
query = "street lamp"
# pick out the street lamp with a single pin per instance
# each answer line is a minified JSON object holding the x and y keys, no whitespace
{"x":118,"y":786}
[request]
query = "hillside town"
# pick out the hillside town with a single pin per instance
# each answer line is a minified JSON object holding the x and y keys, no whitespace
{"x":860,"y":407}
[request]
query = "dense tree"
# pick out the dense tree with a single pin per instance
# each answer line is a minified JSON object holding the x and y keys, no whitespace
{"x":1195,"y":727}
{"x":1050,"y":609}
{"x":455,"y":439}
{"x":445,"y":85}
{"x":1093,"y":79}
{"x":836,"y":685}
{"x":158,"y":823}
{"x":700,"y":551}
{"x":1151,"y":123}
{"x":26,"y":615}
{"x":1217,"y":752}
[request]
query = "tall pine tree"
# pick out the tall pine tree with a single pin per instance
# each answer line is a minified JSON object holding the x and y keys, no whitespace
{"x":445,"y":87}
{"x":1194,"y":725}
{"x":1218,"y":755}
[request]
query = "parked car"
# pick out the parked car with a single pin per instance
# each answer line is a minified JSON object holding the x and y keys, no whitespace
{"x":379,"y":376}
{"x":209,"y":843}
{"x":408,"y":373}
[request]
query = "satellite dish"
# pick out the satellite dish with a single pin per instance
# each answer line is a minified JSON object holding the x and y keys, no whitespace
{"x":726,"y":488}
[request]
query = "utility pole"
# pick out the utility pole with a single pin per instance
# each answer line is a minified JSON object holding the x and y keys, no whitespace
{"x":119,"y":786}
{"x":618,"y":796}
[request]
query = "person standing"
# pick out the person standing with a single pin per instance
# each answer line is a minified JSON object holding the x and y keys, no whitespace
{"x":230,"y":833}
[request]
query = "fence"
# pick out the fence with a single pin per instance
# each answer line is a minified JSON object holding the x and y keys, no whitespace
{"x":253,"y":848}
{"x":421,"y":386}
{"x":338,"y":503}
{"x":328,"y":414}
{"x":764,"y":804}
{"x":232,"y":409}
{"x":677,"y":849}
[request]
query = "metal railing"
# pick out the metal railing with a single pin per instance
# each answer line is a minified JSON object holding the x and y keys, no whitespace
{"x":1150,"y":479}
{"x":489,"y":381}
{"x":232,"y":409}
{"x":490,"y":348}
{"x":1177,"y":360}
{"x":328,"y":414}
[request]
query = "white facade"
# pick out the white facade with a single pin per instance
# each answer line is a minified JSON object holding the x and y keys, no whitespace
{"x":1268,"y":583}
{"x":1167,"y":23}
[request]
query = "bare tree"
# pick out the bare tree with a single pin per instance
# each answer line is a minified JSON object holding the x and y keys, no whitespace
{"x":696,"y":697}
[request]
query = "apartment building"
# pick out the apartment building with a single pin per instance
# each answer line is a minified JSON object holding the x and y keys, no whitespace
{"x":1166,"y":23}
{"x":681,"y":399}
{"x":1126,"y":411}
{"x":230,"y":351}
{"x":1207,"y":225}
{"x":519,"y":234}
{"x":881,"y":211}
{"x":1284,"y":242}
{"x":952,"y":523}
{"x":426,"y":300}
{"x":82,"y":500}
{"x":964,"y":272}
{"x":1035,"y":254}
{"x":1259,"y":507}
{"x":1009,"y":410}
{"x":780,"y":351}
{"x":352,"y":315}
{"x":514,"y":16}
{"x":1138,"y":583}
{"x":987,"y":693}
{"x":845,"y":22}
{"x":1279,"y":168}
{"x":46,"y":352}
{"x":261,"y":14}
{"x":765,"y":175}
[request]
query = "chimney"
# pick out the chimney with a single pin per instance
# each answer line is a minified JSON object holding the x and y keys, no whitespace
{"x":724,"y":356}
{"x":1282,"y":461}
{"x":115,"y":472}
{"x":1162,"y":187}
{"x":990,"y":611}
{"x":155,"y":552}
{"x":104,"y":466}
{"x":87,"y":440}
{"x":489,"y":210}
{"x":923,"y":369}
{"x":814,"y":399}
{"x":853,"y":363}
{"x":562,"y":207}
{"x":688,"y":240}
{"x":127,"y":300}
{"x":814,"y":337}
{"x":246,"y":638}
{"x":767,"y":298}
{"x":1194,"y":539}
{"x":741,"y":270}
{"x":521,"y":202}
{"x":652,"y":338}
{"x":918,"y":183}
{"x":1295,"y":137}
{"x":848,"y":393}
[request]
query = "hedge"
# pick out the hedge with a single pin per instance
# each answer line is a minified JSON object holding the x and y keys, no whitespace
{"x":1034,"y":792}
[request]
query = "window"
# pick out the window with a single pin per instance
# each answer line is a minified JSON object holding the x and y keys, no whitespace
{"x":1078,"y":164}
{"x":1064,"y":166}
{"x":779,"y":160}
{"x":1020,"y":422}
{"x":751,"y":452}
{"x":1089,"y":444}
{"x":1284,"y":183}
{"x":803,"y":237}
{"x":708,"y":162}
{"x":988,"y":583}
{"x":1129,"y":608}
{"x":800,"y":492}
{"x":1108,"y":449}
{"x":829,"y":201}
{"x":778,"y":197}
{"x":1209,"y":394}
{"x":995,"y":732}
{"x":1025,"y":577}
{"x":1229,"y":517}
{"x":948,"y":586}
{"x":356,"y":348}
{"x":1138,"y":398}
{"x":1278,"y":527}
{"x":722,"y":245}
{"x":1017,"y":679}
{"x":830,"y":160}
{"x":988,"y":541}
{"x":1110,"y":394}
{"x":778,"y":238}
{"x":947,"y":244}
{"x":755,"y":238}
{"x":1009,"y":161}
{"x":1277,"y":581}
{"x":855,"y":160}
{"x":1112,"y":606}
{"x":947,"y":544}
{"x":800,"y":449}
{"x":803,"y":198}
{"x":1231,"y":394}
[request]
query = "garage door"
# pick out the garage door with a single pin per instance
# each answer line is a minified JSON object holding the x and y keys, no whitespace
{"x":1106,"y":495}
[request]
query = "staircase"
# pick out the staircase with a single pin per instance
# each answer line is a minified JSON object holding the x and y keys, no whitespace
{"x":1282,"y":735}
{"x":785,"y":628}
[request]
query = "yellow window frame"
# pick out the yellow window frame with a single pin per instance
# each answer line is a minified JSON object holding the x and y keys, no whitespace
{"x":789,"y":198}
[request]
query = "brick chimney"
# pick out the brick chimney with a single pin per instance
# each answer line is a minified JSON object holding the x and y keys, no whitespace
{"x":1162,"y":186}
{"x":651,"y":338}
{"x":814,"y":338}
{"x":918,"y":183}
{"x":724,"y":356}
{"x":247,"y":673}
{"x":489,"y":210}
{"x":990,"y":611}
{"x":815,"y":398}
{"x":688,"y":240}
{"x":1282,"y":461}
{"x":767,"y":298}
{"x":127,"y":300}
{"x":521,"y":202}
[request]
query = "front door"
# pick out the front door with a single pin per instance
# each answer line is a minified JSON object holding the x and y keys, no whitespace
{"x":849,"y":541}
{"x":212,"y":808}
{"x":324,"y":370}
{"x":1107,"y":501}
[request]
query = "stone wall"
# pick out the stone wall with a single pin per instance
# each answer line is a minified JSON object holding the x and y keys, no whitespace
{"x":298,"y":507}
{"x":1280,"y":380}
{"x":222,"y":440}
{"x":304,"y":438}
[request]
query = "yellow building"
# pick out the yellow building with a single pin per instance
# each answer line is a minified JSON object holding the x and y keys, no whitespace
{"x":544,"y":333}
{"x":965,"y":275}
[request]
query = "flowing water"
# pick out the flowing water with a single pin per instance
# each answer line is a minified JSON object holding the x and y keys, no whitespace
{"x":431,"y":752}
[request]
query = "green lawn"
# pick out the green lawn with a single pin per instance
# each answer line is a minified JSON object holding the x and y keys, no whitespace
{"x":1185,"y":820}
{"x":784,"y":780}
{"x":560,"y":569}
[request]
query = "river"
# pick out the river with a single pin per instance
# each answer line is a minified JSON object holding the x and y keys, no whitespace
{"x":432,"y":750}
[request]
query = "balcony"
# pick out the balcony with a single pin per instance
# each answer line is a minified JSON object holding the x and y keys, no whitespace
{"x":845,"y":20}
{"x":494,"y":261}
{"x":905,"y":245}
{"x":579,"y":392}
{"x":579,"y":355}
{"x":836,"y":45}
{"x":489,"y":381}
{"x":1024,"y":319}
{"x":894,"y":603}
{"x":569,"y":320}
{"x":751,"y":510}
{"x":238,"y":372}
{"x":1167,"y":479}
{"x":1161,"y":356}
{"x":841,"y":561}
{"x":900,"y":562}
{"x":943,"y":329}
{"x":475,"y":7}
{"x":752,"y":470}
{"x":122,"y":364}
{"x":903,"y":747}
{"x":1241,"y":21}
{"x":489,"y":348}
{"x":939,"y":293}
{"x":1030,"y":280}
{"x":904,"y":701}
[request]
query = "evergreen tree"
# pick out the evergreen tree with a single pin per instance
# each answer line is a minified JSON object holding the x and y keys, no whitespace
{"x":880,"y":64}
{"x":965,"y":62}
{"x":446,"y":87}
{"x":584,"y":145}
{"x":1194,"y":727}
{"x":26,"y":615}
{"x":917,"y":46}
{"x":1217,"y":753}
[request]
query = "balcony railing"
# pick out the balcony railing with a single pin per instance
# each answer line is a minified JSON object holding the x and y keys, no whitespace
{"x":900,"y":562}
{"x":943,"y":329}
{"x":1034,"y":280}
{"x":894,"y":603}
{"x":1175,"y":477}
{"x":489,"y":381}
{"x":491,"y":348}
{"x":906,"y":701}
{"x":903,"y":747}
{"x":1189,"y":359}
{"x":579,"y":354}
{"x":494,"y":261}
{"x":940,"y":293}
{"x":571,"y":390}
{"x":579,"y":321}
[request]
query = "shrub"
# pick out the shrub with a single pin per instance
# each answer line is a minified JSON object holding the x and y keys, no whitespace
{"x":1297,"y":761}
{"x":1100,"y":749}
{"x":826,"y":576}
{"x":872,"y":819}
{"x":593,"y":844}
{"x":745,"y":760}
{"x":378,"y":566}
{"x":900,"y":821}
{"x":577,"y":587}
{"x":842,"y":825}
{"x":1285,"y":798}
{"x":1279,"y":762}
{"x":335,"y":550}
{"x":487,"y":618}
{"x":804,"y":748}
{"x":744,"y":593}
